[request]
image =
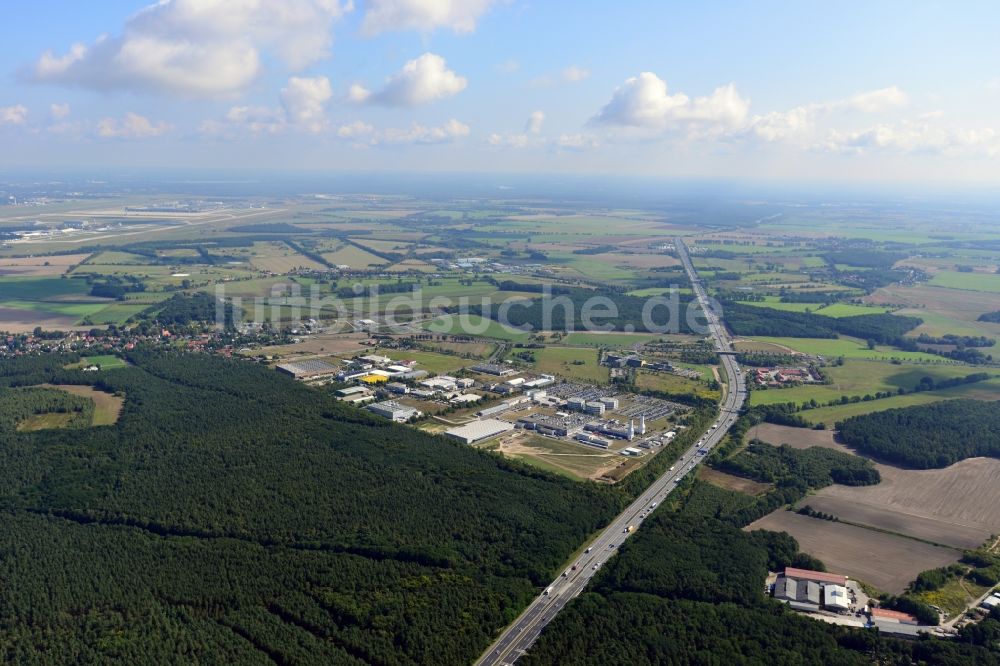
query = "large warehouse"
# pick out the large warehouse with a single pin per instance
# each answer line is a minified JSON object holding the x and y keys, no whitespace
{"x":307,"y":369}
{"x":393,"y":411}
{"x":477,"y":431}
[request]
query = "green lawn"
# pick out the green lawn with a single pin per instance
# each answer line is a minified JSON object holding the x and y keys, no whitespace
{"x":833,"y":310}
{"x":40,"y":289}
{"x":608,"y":339}
{"x":988,"y":390}
{"x":104,"y":362}
{"x":988,"y":282}
{"x":474,"y":325}
{"x":858,"y":378}
{"x":579,"y":363}
{"x":848,"y":348}
{"x":430,"y":361}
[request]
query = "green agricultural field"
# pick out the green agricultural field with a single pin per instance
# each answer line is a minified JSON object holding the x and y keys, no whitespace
{"x":40,"y":289}
{"x":474,"y":325}
{"x":858,"y":378}
{"x":937,"y":324}
{"x":115,"y":257}
{"x":988,"y":390}
{"x":608,"y":339}
{"x":430,"y":361}
{"x":658,"y":291}
{"x":572,"y":363}
{"x":670,"y":383}
{"x":848,"y":348}
{"x":988,"y":282}
{"x":850,"y":310}
{"x":104,"y":362}
{"x":354,"y":257}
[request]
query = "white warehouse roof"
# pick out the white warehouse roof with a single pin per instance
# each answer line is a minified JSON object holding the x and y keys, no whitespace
{"x":477,"y":431}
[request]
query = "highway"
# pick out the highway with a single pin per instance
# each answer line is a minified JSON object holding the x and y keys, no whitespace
{"x":523,"y":632}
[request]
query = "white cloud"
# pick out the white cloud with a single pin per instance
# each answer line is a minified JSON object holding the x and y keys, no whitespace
{"x":59,"y":111}
{"x":912,"y":137}
{"x":13,"y":115}
{"x":534,"y":124}
{"x":131,"y":126}
{"x":877,"y":101}
{"x":421,"y":134}
{"x":508,"y":66}
{"x":576,"y":141}
{"x":423,"y":15}
{"x":422,"y":80}
{"x":800,"y":124}
{"x":305,"y":99}
{"x":572,"y":74}
{"x":355,"y":130}
{"x":507,"y":140}
{"x":358,"y":94}
{"x":198,"y":47}
{"x":644,"y":102}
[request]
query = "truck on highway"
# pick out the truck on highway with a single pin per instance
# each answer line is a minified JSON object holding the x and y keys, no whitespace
{"x":548,"y":591}
{"x":628,"y":529}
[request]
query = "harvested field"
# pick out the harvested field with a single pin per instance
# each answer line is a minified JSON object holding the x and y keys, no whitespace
{"x":574,"y":460}
{"x":886,"y":561}
{"x":107,"y":407}
{"x":39,"y":266}
{"x":730,"y":482}
{"x":956,"y":505}
{"x":797,"y":438}
{"x":322,"y":344}
{"x":15,"y":320}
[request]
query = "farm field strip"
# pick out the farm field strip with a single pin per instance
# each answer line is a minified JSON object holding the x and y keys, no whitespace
{"x":887,"y":561}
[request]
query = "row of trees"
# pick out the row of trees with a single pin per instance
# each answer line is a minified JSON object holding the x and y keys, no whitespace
{"x":925,"y":436}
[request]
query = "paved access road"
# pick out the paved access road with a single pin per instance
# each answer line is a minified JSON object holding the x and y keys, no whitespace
{"x":520,"y":635}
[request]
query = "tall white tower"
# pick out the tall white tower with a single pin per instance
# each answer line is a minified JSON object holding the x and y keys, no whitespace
{"x":642,"y":424}
{"x":631,"y":429}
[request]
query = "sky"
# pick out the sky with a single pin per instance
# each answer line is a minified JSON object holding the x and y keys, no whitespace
{"x":786,"y":91}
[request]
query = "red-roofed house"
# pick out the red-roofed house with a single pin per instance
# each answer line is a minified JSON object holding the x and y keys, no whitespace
{"x":816,"y":576}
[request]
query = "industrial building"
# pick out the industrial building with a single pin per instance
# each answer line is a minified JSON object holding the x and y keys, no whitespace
{"x":493,"y":369}
{"x":836,"y":598}
{"x":592,"y":440}
{"x":442,"y":383}
{"x":594,"y":408}
{"x":303,"y":370}
{"x":376,"y":359}
{"x":477,"y":431}
{"x":351,"y":390}
{"x":393,"y":411}
{"x":466,"y":399}
{"x":397,"y":387}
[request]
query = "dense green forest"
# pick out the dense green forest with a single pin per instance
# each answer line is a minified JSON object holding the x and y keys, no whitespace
{"x":17,"y":406}
{"x":816,"y":467}
{"x":182,"y":309}
{"x":689,"y":589}
{"x":565,"y":312}
{"x":926,"y":436}
{"x":745,"y":319}
{"x":232,"y":515}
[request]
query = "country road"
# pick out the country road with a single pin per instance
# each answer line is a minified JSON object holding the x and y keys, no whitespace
{"x":524,"y":631}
